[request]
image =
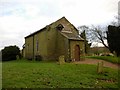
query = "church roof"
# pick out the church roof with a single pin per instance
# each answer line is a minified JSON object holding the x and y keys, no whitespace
{"x":72,"y":36}
{"x":66,"y":32}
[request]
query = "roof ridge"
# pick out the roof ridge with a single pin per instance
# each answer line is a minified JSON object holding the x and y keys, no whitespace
{"x":46,"y":26}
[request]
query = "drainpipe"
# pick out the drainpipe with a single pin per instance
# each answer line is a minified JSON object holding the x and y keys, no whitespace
{"x":69,"y":52}
{"x":33,"y":47}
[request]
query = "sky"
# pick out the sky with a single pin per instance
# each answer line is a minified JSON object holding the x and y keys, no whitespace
{"x":19,"y":18}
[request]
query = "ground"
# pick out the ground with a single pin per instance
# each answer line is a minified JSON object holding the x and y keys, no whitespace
{"x":95,"y":61}
{"x":40,"y":74}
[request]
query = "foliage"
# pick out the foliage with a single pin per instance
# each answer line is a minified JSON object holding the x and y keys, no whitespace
{"x":87,"y":45}
{"x":35,"y":74}
{"x":10,"y":53}
{"x":113,"y":37}
{"x":106,"y":58}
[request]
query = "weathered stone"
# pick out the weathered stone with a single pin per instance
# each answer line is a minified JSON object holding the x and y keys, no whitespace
{"x":100,"y":67}
{"x":17,"y":57}
{"x":55,"y":40}
{"x":61,"y":59}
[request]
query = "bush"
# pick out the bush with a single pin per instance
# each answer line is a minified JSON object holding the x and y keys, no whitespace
{"x":9,"y":53}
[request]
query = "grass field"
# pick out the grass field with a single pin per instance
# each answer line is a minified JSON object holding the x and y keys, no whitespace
{"x":106,"y":58}
{"x":34,"y":74}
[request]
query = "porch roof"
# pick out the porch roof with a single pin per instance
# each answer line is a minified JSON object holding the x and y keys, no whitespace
{"x":72,"y":36}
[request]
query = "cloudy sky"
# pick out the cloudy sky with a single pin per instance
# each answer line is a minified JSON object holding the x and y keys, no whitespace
{"x":19,"y":18}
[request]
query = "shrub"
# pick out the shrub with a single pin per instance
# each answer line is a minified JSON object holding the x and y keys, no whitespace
{"x":10,"y":53}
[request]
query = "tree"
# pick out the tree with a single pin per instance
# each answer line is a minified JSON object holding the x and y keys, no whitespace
{"x":87,"y":45}
{"x":10,"y":53}
{"x":99,"y":35}
{"x":95,"y":34}
{"x":113,"y":37}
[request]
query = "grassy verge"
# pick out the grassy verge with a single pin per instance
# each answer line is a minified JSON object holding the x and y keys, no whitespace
{"x":106,"y":58}
{"x":25,"y":74}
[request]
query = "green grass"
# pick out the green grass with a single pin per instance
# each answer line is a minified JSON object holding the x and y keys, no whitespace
{"x":106,"y":58}
{"x":32,"y":74}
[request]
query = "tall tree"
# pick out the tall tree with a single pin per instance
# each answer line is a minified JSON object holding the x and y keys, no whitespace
{"x":83,"y":35}
{"x":87,"y":45}
{"x":113,"y":37}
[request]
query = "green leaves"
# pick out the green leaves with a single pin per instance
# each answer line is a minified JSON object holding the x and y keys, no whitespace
{"x":113,"y":37}
{"x":9,"y":53}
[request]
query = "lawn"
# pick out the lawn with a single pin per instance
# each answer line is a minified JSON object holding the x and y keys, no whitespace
{"x":106,"y":58}
{"x":34,"y":74}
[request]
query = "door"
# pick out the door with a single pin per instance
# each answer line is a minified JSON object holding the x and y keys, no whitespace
{"x":77,"y":53}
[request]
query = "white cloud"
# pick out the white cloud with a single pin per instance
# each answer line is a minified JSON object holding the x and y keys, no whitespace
{"x":19,"y":18}
{"x":13,"y":29}
{"x":96,"y":44}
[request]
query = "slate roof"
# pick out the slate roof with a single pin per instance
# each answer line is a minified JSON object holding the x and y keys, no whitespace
{"x":45,"y":27}
{"x":72,"y":36}
{"x":36,"y":32}
{"x":67,"y":26}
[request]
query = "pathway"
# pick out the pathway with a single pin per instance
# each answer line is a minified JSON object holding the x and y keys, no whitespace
{"x":95,"y":61}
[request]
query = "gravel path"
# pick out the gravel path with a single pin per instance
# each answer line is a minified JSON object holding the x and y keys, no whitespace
{"x":95,"y":61}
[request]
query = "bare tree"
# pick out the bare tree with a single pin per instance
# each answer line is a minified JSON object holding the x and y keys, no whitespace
{"x":95,"y":34}
{"x":99,"y":34}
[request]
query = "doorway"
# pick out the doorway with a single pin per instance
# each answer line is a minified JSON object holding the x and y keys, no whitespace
{"x":77,"y":53}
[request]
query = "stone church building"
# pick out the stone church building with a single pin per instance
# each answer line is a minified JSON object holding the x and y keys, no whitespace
{"x":60,"y":38}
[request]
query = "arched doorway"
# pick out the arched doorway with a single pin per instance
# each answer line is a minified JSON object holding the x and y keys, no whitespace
{"x":77,"y":53}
